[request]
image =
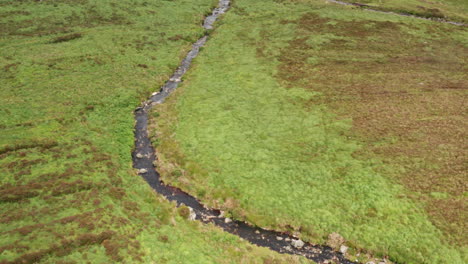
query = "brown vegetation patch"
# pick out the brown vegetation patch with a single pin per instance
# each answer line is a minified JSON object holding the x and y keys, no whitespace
{"x":66,"y":38}
{"x":64,"y":248}
{"x":43,"y":144}
{"x":407,"y":104}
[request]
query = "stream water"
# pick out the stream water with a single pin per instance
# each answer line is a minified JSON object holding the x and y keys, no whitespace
{"x":144,"y":155}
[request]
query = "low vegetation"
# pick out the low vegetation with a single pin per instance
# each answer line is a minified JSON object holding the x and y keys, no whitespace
{"x":454,"y":10}
{"x":71,"y":74}
{"x":322,"y":118}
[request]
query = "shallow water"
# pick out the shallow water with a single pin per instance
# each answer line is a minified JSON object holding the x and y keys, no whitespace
{"x":276,"y":241}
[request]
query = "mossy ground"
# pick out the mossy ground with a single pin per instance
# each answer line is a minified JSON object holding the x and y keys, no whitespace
{"x":71,"y":74}
{"x":310,"y":117}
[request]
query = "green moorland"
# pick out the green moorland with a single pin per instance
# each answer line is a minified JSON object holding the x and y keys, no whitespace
{"x":71,"y":74}
{"x":456,"y":10}
{"x":314,"y":118}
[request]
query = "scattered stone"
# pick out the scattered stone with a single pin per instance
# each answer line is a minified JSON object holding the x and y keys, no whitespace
{"x":175,"y":80}
{"x":227,"y":220}
{"x":142,"y":171}
{"x":139,"y":155}
{"x":287,"y":239}
{"x":316,"y":251}
{"x":288,"y":248}
{"x":343,"y":249}
{"x":297,"y":243}
{"x":279,"y":238}
{"x":192,"y":215}
{"x":257,"y":232}
{"x":335,"y":240}
{"x":370,"y":262}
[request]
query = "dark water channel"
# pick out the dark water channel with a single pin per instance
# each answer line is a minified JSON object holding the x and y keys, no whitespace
{"x":144,"y":155}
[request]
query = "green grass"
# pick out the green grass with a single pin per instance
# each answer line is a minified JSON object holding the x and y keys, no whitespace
{"x":455,"y":10}
{"x":71,"y":74}
{"x":300,"y":124}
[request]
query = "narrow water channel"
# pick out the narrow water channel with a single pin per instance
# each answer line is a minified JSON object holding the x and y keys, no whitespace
{"x":144,"y":155}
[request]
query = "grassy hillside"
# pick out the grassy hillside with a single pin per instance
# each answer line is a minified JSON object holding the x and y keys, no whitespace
{"x":319,"y":119}
{"x":455,"y":10}
{"x":71,"y":73}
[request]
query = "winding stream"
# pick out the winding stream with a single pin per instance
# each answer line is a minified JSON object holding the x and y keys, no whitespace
{"x":144,"y":155}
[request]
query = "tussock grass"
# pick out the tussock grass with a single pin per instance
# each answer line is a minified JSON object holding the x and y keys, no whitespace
{"x":314,"y":121}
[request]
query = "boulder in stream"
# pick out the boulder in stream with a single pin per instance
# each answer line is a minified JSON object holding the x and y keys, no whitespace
{"x":297,"y":243}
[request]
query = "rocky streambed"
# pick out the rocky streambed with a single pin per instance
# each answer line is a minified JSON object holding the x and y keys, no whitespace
{"x":144,"y":155}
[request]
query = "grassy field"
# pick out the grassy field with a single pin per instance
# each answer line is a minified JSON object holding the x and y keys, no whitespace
{"x":455,"y":10}
{"x":321,"y":118}
{"x":71,"y":74}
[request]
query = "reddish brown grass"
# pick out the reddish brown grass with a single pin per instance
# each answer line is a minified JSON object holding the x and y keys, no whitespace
{"x":398,"y":91}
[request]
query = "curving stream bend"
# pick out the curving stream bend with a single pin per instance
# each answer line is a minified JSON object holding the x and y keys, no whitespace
{"x":144,"y":155}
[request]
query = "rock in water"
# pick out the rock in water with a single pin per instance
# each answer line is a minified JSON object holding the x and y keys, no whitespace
{"x":139,"y":155}
{"x":142,"y":171}
{"x":297,"y":243}
{"x":227,"y":220}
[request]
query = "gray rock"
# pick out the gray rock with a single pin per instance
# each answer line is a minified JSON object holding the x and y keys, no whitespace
{"x":192,"y":215}
{"x":279,"y":238}
{"x":370,"y":262}
{"x":297,"y":243}
{"x":288,"y":239}
{"x":316,"y":250}
{"x":139,"y":155}
{"x":343,"y":249}
{"x":142,"y":171}
{"x":227,"y":220}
